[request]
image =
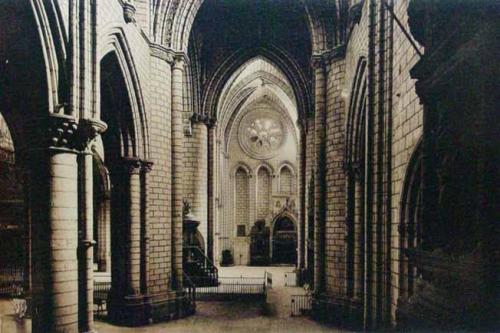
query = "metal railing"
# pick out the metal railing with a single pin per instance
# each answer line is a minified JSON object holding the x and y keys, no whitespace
{"x":11,"y":281}
{"x":230,"y":288}
{"x":198,"y":266}
{"x":300,"y":305}
{"x":101,"y":298}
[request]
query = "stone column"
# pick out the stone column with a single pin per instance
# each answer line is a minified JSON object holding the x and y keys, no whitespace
{"x":200,"y":202}
{"x":55,"y":236}
{"x":177,"y":169}
{"x":358,"y":234}
{"x":86,"y":243}
{"x":146,"y":170}
{"x":301,"y":185}
{"x":104,"y":234}
{"x":319,"y":186}
{"x":211,"y":214}
{"x":133,"y":271}
{"x":88,"y":129}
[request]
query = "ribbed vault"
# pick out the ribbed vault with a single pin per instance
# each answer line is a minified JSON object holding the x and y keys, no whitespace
{"x":258,"y":81}
{"x":172,"y":20}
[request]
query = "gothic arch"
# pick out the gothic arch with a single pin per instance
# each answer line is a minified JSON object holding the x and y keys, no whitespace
{"x":48,"y":18}
{"x":173,"y":21}
{"x":284,"y":213}
{"x":410,"y":223}
{"x":114,"y":42}
{"x":284,"y":241}
{"x":355,"y":119}
{"x":275,"y":55}
{"x":283,"y":186}
{"x":289,"y":165}
{"x":242,"y":166}
{"x":355,"y":177}
{"x":266,"y":166}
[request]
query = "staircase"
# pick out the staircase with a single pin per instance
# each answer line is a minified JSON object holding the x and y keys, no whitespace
{"x":199,"y":268}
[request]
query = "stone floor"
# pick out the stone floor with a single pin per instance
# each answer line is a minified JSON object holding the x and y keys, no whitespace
{"x":231,"y":317}
{"x":216,"y":317}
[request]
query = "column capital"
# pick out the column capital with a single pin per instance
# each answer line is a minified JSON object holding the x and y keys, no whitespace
{"x":88,"y":130}
{"x":203,"y":118}
{"x":131,"y":165}
{"x":320,"y":60}
{"x":68,"y":134}
{"x":147,"y":166}
{"x":161,"y":52}
{"x":171,"y":56}
{"x":62,"y":132}
{"x":317,"y":61}
{"x":180,"y":59}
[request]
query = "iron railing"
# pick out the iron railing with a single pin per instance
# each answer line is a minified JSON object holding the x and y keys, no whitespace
{"x":101,"y":298}
{"x":198,"y":266}
{"x":230,"y":288}
{"x":11,"y":281}
{"x":300,"y":305}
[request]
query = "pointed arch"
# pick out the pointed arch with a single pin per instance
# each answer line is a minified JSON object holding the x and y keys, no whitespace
{"x":410,"y":227}
{"x":275,"y":55}
{"x":114,"y":42}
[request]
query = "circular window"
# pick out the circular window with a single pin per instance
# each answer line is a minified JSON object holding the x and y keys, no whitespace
{"x":261,"y":134}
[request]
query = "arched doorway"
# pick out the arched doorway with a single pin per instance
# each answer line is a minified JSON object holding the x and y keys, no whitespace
{"x":284,"y":241}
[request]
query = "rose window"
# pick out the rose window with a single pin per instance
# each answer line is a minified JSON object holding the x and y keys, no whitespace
{"x":261,"y":135}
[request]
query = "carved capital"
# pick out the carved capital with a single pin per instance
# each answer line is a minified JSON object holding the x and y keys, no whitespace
{"x":88,"y":130}
{"x":131,"y":165}
{"x":203,"y":118}
{"x":62,"y":132}
{"x":147,"y":166}
{"x":162,"y":53}
{"x":179,"y":61}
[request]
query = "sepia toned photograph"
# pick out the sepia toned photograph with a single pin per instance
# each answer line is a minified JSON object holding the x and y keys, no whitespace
{"x":249,"y":166}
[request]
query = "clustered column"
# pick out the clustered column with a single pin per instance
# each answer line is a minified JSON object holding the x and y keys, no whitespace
{"x":177,"y":161}
{"x":319,"y":186}
{"x":130,"y":303}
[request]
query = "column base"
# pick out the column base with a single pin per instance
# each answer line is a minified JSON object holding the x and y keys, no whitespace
{"x":130,"y":310}
{"x":141,"y":310}
{"x":339,"y":311}
{"x":171,"y":306}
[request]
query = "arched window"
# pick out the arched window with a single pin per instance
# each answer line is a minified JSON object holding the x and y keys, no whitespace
{"x":263,"y":192}
{"x":287,"y":183}
{"x":241,"y":197}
